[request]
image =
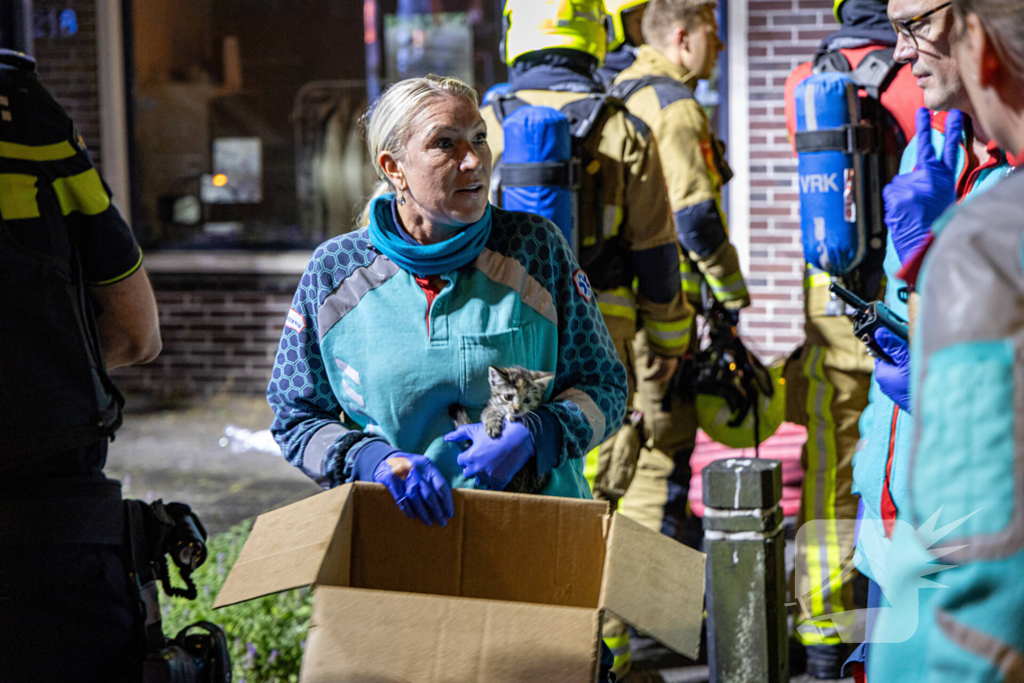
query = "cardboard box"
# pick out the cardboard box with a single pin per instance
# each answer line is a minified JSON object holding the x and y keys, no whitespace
{"x":513,"y":589}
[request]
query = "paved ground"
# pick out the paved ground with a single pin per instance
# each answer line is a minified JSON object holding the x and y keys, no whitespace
{"x":175,"y":453}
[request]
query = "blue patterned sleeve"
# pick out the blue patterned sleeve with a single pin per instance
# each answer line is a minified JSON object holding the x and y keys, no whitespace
{"x":308,"y":424}
{"x":589,"y":398}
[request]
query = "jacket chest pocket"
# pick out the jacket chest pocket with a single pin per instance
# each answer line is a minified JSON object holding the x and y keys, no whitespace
{"x":479,"y":351}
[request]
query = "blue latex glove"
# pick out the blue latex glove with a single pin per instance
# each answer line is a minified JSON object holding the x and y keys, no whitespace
{"x":913,"y":201}
{"x":494,"y":461}
{"x":893,"y":378}
{"x":418,"y":487}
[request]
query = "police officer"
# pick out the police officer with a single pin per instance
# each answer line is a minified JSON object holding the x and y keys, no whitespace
{"x":76,"y":302}
{"x":625,"y":37}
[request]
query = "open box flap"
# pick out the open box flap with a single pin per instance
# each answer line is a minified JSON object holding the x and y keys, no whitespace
{"x":288,"y":548}
{"x":654,"y":583}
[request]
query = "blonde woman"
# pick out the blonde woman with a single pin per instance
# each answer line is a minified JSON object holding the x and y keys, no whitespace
{"x":395,"y":323}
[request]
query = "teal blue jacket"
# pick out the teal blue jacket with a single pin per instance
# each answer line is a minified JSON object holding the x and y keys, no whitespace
{"x":362,"y":356}
{"x":883,"y":427}
{"x":965,"y":515}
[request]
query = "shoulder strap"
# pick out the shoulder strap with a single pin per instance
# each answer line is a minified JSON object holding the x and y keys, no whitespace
{"x":830,"y":61}
{"x":504,"y":105}
{"x":585,"y":112}
{"x":876,"y":71}
{"x":668,"y":89}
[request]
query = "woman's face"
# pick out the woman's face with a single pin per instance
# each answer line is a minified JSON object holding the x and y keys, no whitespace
{"x":446,"y":167}
{"x":977,"y":61}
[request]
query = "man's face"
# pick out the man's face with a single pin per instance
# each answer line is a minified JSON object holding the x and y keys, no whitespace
{"x":932,"y":59}
{"x":704,"y":45}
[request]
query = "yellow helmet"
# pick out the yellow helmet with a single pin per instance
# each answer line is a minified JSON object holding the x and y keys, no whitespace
{"x":726,"y":425}
{"x":615,"y":10}
{"x":836,"y":4}
{"x":835,"y":9}
{"x":533,"y":25}
{"x":735,"y":395}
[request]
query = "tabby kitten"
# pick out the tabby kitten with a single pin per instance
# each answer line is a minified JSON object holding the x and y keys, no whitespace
{"x":515,"y":393}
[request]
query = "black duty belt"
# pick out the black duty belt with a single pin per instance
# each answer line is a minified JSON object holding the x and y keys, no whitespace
{"x":88,"y":514}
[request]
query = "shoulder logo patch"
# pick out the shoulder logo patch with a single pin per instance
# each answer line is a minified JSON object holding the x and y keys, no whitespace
{"x":295,"y":321}
{"x":579,"y":278}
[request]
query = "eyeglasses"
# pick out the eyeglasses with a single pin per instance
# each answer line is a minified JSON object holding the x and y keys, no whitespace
{"x":905,"y":27}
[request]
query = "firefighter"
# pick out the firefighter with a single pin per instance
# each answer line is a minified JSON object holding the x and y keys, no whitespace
{"x":682,"y":46}
{"x":625,"y":36}
{"x":76,"y":302}
{"x":553,"y":62}
{"x":834,"y":369}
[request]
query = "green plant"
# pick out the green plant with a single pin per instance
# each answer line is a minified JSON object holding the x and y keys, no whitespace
{"x":266,"y":635}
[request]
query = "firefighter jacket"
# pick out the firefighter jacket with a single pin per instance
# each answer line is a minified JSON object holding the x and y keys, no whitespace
{"x":59,"y":234}
{"x":661,"y":93}
{"x":881,"y":462}
{"x":365,"y":353}
{"x":639,"y":242}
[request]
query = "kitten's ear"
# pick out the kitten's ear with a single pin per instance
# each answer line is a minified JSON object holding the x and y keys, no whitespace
{"x":497,"y":376}
{"x":544,"y":379}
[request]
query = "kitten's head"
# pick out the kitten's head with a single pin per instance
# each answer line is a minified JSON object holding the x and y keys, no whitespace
{"x":517,"y":389}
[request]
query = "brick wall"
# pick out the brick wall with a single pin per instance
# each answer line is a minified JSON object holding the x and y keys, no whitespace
{"x":782,"y":34}
{"x":220,"y":334}
{"x":67,"y":65}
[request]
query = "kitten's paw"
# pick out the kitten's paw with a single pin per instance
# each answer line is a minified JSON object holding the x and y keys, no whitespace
{"x":494,"y":430}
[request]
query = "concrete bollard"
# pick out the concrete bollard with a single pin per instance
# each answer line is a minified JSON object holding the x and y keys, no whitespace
{"x":746,"y":587}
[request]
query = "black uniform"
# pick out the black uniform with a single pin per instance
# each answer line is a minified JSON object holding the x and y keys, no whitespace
{"x":67,"y":612}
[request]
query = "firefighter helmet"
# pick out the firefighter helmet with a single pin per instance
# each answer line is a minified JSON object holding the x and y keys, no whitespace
{"x":533,"y":25}
{"x":839,"y":3}
{"x":617,"y":29}
{"x":736,"y":395}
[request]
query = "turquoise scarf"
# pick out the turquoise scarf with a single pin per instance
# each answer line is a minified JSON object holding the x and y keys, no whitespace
{"x":426,"y":259}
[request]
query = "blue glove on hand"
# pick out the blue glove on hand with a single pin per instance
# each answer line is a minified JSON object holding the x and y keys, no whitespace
{"x":893,"y":378}
{"x":494,"y":461}
{"x":913,"y":201}
{"x":418,"y":487}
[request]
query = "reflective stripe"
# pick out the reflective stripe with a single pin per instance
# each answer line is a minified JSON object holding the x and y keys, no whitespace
{"x":612,"y":220}
{"x":671,"y":334}
{"x":316,"y":449}
{"x":822,"y":552}
{"x":817,"y":280}
{"x":1001,"y":655}
{"x":55,"y":152}
{"x":591,"y":465}
{"x":810,"y":111}
{"x":595,"y":418}
{"x":619,"y":646}
{"x":18,"y":196}
{"x":83,"y":193}
{"x":122,"y":276}
{"x":731,"y":283}
{"x":508,"y":271}
{"x":352,"y":394}
{"x":691,"y":278}
{"x":349,"y":371}
{"x":617,"y":303}
{"x":352,"y":290}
